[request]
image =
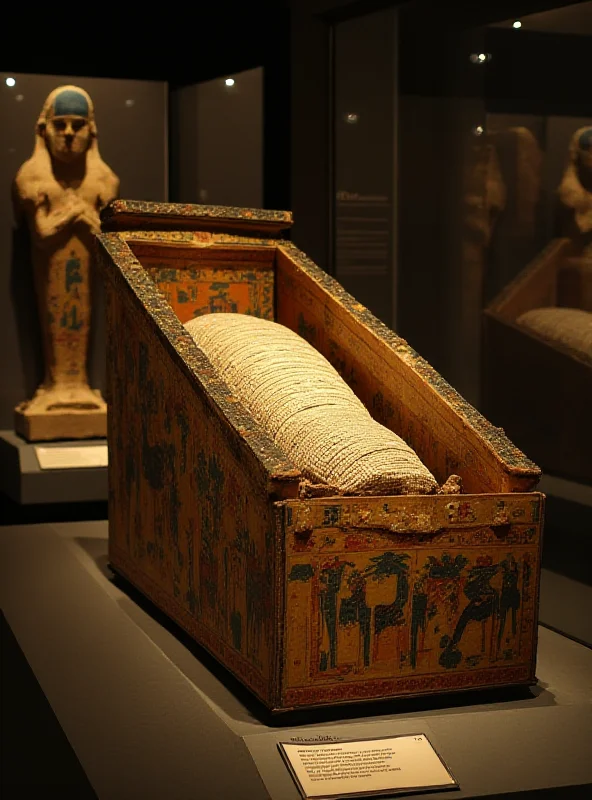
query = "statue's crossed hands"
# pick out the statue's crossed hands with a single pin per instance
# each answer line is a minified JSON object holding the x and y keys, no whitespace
{"x":70,"y":209}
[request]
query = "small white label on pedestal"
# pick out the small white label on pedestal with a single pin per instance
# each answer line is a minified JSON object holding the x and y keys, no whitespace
{"x":72,"y":457}
{"x":366,"y":767}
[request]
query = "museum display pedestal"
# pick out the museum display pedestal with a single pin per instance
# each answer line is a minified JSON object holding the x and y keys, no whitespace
{"x":24,"y":481}
{"x":51,"y":425}
{"x":149,"y":714}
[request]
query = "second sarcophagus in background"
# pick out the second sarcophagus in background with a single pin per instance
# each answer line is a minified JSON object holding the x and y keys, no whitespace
{"x":537,"y":373}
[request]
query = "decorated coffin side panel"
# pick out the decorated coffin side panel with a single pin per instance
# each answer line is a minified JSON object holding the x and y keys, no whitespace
{"x":207,"y":279}
{"x":400,"y":390}
{"x":372,"y":612}
{"x":189,"y":524}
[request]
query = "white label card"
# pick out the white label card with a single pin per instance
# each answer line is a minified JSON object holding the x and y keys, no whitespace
{"x":72,"y":457}
{"x":366,"y":767}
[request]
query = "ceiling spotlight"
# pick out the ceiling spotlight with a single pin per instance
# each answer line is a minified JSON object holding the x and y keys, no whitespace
{"x":478,"y":130}
{"x":480,"y":58}
{"x":352,"y":118}
{"x":10,"y":82}
{"x":517,"y":24}
{"x":229,"y":81}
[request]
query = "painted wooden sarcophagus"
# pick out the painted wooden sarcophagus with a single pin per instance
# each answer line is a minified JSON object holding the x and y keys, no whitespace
{"x":308,"y":600}
{"x":551,"y":420}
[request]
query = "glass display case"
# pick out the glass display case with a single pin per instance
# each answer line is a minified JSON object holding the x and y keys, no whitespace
{"x":216,"y":144}
{"x":451,"y":138}
{"x":132,"y":133}
{"x":196,"y":142}
{"x":435,"y":158}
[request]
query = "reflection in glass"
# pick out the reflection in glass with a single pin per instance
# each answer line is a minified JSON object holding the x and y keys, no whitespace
{"x":216,"y":141}
{"x":364,"y":158}
{"x":538,"y":288}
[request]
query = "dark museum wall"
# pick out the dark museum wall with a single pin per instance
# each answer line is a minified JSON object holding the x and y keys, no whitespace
{"x":305,"y":50}
{"x":216,"y":141}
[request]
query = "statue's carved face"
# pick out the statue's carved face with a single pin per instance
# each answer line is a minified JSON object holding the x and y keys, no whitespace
{"x":67,"y":137}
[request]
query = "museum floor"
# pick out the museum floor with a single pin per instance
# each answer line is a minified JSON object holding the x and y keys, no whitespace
{"x":117,"y":703}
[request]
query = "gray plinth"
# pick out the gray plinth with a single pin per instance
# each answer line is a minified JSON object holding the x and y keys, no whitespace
{"x":149,"y":715}
{"x":23,"y":480}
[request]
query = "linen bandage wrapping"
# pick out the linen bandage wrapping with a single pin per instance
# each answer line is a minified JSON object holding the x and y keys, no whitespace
{"x":302,"y":402}
{"x":571,"y":327}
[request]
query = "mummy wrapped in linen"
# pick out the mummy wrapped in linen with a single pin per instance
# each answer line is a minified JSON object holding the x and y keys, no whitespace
{"x":302,"y":402}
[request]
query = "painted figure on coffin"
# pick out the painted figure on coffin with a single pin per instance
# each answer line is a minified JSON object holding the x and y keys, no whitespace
{"x":362,"y":610}
{"x":192,"y":292}
{"x":436,"y":613}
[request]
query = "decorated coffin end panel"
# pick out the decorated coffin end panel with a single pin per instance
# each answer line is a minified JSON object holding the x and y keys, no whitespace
{"x":401,"y":596}
{"x":397,"y":386}
{"x":207,"y":276}
{"x":189,"y":524}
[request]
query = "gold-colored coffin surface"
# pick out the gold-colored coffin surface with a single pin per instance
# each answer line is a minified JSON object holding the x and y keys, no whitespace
{"x":308,"y":601}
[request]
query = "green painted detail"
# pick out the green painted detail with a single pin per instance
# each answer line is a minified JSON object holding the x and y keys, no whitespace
{"x":389,"y":615}
{"x":236,"y":627}
{"x":72,"y":272}
{"x":387,"y":564}
{"x":330,"y":580}
{"x":446,"y":567}
{"x":331,"y":516}
{"x":209,"y":479}
{"x":167,"y":276}
{"x":306,"y":329}
{"x":70,"y":321}
{"x":301,"y":572}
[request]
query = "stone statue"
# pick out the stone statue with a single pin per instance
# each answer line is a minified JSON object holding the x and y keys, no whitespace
{"x":60,"y":191}
{"x":575,"y":190}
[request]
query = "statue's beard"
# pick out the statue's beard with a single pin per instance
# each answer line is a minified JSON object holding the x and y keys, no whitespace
{"x":65,"y":153}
